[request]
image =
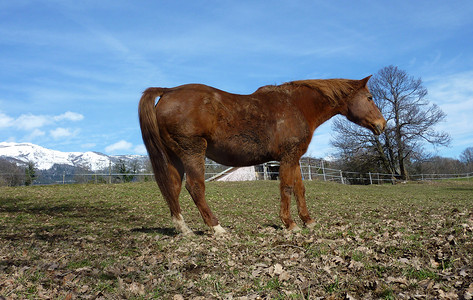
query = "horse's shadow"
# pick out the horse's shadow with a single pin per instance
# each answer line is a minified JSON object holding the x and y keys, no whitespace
{"x":171,"y":232}
{"x":167,"y":231}
{"x":277,"y":227}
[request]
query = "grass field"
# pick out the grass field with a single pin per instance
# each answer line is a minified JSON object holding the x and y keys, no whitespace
{"x":117,"y":241}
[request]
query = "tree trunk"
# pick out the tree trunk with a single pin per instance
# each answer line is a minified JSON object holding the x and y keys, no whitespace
{"x":385,"y":160}
{"x":403,"y":170}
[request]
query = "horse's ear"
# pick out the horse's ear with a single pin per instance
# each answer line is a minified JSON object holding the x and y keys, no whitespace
{"x":364,"y":81}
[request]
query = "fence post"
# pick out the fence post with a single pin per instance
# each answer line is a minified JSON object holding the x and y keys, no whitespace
{"x":64,"y":177}
{"x":323,"y":169}
{"x":110,"y":172}
{"x":371,"y":180}
{"x":341,"y":177}
{"x":310,"y":172}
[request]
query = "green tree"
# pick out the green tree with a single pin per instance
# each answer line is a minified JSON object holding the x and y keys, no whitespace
{"x":126,"y":173}
{"x":30,"y":173}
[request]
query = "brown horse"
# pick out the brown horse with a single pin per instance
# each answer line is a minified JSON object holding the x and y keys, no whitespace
{"x":192,"y":121}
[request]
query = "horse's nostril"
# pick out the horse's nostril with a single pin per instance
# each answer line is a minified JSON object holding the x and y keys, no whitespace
{"x":381,"y":127}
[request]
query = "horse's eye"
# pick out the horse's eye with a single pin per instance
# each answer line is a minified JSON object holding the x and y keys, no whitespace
{"x":370,"y":98}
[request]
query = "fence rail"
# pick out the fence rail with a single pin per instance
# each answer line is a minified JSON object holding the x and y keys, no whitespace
{"x":314,"y":170}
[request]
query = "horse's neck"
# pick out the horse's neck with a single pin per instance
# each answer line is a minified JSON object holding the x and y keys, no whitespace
{"x":316,"y":109}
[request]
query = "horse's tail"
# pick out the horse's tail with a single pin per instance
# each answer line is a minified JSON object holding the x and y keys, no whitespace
{"x":152,"y":139}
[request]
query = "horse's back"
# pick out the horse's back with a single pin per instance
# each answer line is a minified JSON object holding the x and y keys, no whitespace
{"x":237,"y":129}
{"x":190,"y":104}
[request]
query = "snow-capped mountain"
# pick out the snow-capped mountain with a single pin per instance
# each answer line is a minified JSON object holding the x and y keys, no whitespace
{"x":44,"y":159}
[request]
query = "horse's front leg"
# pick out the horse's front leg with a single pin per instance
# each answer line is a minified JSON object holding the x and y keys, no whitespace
{"x":287,"y":180}
{"x":299,"y":192}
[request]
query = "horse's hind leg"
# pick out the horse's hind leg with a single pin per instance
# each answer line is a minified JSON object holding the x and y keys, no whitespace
{"x":175,"y":175}
{"x":299,"y":192}
{"x":195,"y":184}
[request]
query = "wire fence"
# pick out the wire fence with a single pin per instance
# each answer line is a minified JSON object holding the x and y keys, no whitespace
{"x":310,"y":170}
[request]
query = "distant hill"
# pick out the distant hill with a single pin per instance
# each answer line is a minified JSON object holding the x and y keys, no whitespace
{"x":47,"y":159}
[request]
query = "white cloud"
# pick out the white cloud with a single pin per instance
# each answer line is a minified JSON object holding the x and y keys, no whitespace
{"x":88,"y":145}
{"x":5,"y":121}
{"x":70,"y":116}
{"x":30,"y":121}
{"x":454,"y":94}
{"x":124,"y":147}
{"x":140,"y":149}
{"x":60,"y":133}
{"x":455,"y":88}
{"x":36,"y":133}
{"x":119,"y":146}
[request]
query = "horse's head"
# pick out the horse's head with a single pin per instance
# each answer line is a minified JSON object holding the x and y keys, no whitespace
{"x":361,"y":109}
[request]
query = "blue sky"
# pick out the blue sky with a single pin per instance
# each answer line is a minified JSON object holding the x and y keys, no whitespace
{"x":72,"y":72}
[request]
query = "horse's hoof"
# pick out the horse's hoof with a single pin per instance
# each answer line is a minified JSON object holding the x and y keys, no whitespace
{"x":294,"y":228}
{"x":218,"y":230}
{"x":188,"y":233}
{"x":310,"y":225}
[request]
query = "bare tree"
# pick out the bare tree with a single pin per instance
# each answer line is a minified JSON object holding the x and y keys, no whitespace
{"x":10,"y":174}
{"x":411,"y":121}
{"x":440,"y":165}
{"x":466,"y":157}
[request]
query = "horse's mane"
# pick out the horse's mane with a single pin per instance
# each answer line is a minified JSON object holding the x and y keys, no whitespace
{"x":333,"y":89}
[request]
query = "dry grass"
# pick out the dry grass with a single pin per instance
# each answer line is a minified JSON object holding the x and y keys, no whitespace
{"x":117,"y":241}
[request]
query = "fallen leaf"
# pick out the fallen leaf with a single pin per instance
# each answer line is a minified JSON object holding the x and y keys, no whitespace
{"x":284,"y":276}
{"x":355,"y":265}
{"x":401,"y":280}
{"x":349,"y":297}
{"x":278,"y":269}
{"x":404,"y":260}
{"x":434,"y":264}
{"x":447,"y":296}
{"x":467,"y":295}
{"x":84,"y":289}
{"x":338,"y":260}
{"x":255,"y":273}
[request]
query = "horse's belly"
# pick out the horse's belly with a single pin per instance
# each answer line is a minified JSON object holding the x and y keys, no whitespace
{"x":238,"y":154}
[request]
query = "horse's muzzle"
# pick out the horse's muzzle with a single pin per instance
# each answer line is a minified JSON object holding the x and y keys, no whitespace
{"x":379,"y":128}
